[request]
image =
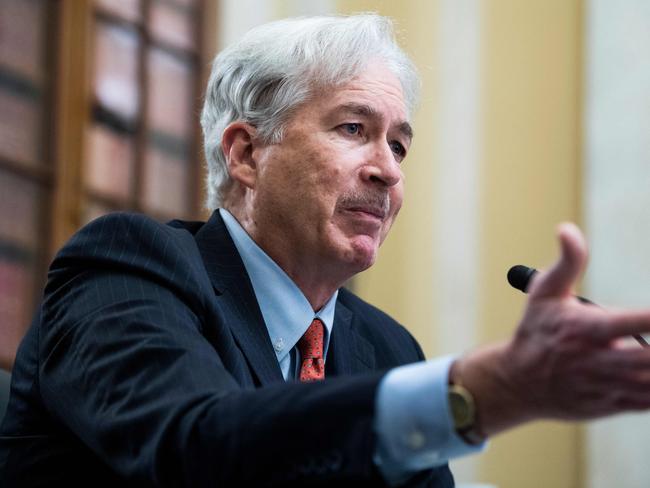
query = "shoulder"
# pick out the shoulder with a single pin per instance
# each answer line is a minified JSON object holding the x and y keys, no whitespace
{"x":360,"y":306}
{"x":126,"y":238}
{"x":117,"y":232}
{"x":383,"y":331}
{"x":130,"y":243}
{"x":125,"y":267}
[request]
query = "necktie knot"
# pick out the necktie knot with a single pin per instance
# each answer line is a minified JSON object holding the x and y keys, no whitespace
{"x":310,"y":346}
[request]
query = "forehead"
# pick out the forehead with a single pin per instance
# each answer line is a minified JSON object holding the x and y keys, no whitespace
{"x":375,"y":91}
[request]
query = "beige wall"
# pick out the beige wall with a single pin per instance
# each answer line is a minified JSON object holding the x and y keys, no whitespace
{"x":531,"y":182}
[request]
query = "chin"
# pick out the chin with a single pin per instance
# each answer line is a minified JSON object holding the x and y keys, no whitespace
{"x":363,"y":253}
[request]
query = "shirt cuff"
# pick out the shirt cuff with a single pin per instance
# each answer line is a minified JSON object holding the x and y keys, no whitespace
{"x":413,"y":423}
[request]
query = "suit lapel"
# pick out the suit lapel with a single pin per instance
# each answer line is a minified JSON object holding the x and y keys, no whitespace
{"x":235,"y":296}
{"x":349,"y":352}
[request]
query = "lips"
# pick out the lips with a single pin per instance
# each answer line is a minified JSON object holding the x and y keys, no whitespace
{"x":377,"y":212}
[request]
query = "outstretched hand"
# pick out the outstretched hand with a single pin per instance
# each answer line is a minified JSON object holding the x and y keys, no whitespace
{"x":565,"y":360}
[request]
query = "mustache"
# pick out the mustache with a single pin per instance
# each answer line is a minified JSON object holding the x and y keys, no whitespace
{"x":379,"y":202}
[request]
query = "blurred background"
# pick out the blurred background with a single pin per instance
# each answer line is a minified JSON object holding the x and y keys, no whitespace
{"x":533,"y":112}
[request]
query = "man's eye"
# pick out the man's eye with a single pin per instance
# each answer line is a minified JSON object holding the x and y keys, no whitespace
{"x":397,"y":148}
{"x":352,"y":129}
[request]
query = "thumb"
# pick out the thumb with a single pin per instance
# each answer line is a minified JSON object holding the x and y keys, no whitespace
{"x":559,"y":279}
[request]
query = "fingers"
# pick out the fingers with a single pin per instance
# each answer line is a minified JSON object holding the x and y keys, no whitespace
{"x":622,"y":323}
{"x":607,"y":327}
{"x":622,"y":379}
{"x":623,"y":364}
{"x":560,"y":278}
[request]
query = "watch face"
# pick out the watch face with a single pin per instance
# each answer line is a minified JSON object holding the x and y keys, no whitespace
{"x":462,"y":408}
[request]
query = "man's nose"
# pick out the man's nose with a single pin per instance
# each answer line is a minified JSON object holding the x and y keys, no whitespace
{"x":381,"y":166}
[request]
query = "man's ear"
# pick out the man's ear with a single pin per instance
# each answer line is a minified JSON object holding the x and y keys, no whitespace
{"x":237,"y":145}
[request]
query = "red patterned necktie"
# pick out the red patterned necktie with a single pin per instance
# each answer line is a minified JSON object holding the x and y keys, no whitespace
{"x":310,"y":346}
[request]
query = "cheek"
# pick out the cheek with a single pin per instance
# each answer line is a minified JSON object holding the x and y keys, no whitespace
{"x":285,"y":175}
{"x":309,"y":178}
{"x":324,"y":177}
{"x":397,"y":197}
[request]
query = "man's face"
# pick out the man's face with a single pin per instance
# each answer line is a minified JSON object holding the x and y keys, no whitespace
{"x":329,"y":192}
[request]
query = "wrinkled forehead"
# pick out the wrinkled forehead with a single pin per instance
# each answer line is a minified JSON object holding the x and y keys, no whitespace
{"x":373,"y":93}
{"x":375,"y":74}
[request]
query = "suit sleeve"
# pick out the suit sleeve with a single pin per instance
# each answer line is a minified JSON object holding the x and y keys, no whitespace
{"x":125,"y":367}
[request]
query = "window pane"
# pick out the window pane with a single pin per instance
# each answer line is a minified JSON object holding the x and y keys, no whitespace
{"x":170,"y":94}
{"x":116,"y":70}
{"x":186,"y":3}
{"x":21,"y":37}
{"x":173,"y":25}
{"x":165,"y":183}
{"x":16,"y":304}
{"x":20,"y":203}
{"x":20,"y":127}
{"x":94,"y":210}
{"x":126,"y":9}
{"x":110,"y":162}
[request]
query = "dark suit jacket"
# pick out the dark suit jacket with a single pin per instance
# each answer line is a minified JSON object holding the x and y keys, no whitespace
{"x":149,"y":363}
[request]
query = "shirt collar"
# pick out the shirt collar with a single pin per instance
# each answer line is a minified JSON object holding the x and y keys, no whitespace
{"x":285,"y":309}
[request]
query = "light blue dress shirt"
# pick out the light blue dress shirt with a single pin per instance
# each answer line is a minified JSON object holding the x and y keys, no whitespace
{"x":286,"y":311}
{"x":413,"y":423}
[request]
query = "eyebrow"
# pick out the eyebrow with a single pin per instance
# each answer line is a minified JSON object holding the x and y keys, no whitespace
{"x":368,"y":111}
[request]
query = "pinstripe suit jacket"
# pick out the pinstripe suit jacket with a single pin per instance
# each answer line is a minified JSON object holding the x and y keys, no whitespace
{"x":149,"y":363}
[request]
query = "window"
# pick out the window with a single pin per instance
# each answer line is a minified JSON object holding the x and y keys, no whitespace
{"x":26,"y":174}
{"x":141,"y":140}
{"x":100,"y":104}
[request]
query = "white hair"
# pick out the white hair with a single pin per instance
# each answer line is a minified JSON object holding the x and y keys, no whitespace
{"x":277,"y":66}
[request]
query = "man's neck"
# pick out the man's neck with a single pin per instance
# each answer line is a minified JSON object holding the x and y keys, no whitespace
{"x":315,"y":280}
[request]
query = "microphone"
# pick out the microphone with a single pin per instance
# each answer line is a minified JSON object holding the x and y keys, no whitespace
{"x":519,"y":277}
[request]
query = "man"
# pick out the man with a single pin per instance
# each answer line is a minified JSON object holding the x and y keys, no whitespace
{"x":227,"y":354}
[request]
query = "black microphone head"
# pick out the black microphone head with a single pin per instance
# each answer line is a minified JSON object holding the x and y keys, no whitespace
{"x":519,"y":276}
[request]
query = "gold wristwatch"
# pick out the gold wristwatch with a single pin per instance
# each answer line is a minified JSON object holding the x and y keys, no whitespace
{"x":463,"y":412}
